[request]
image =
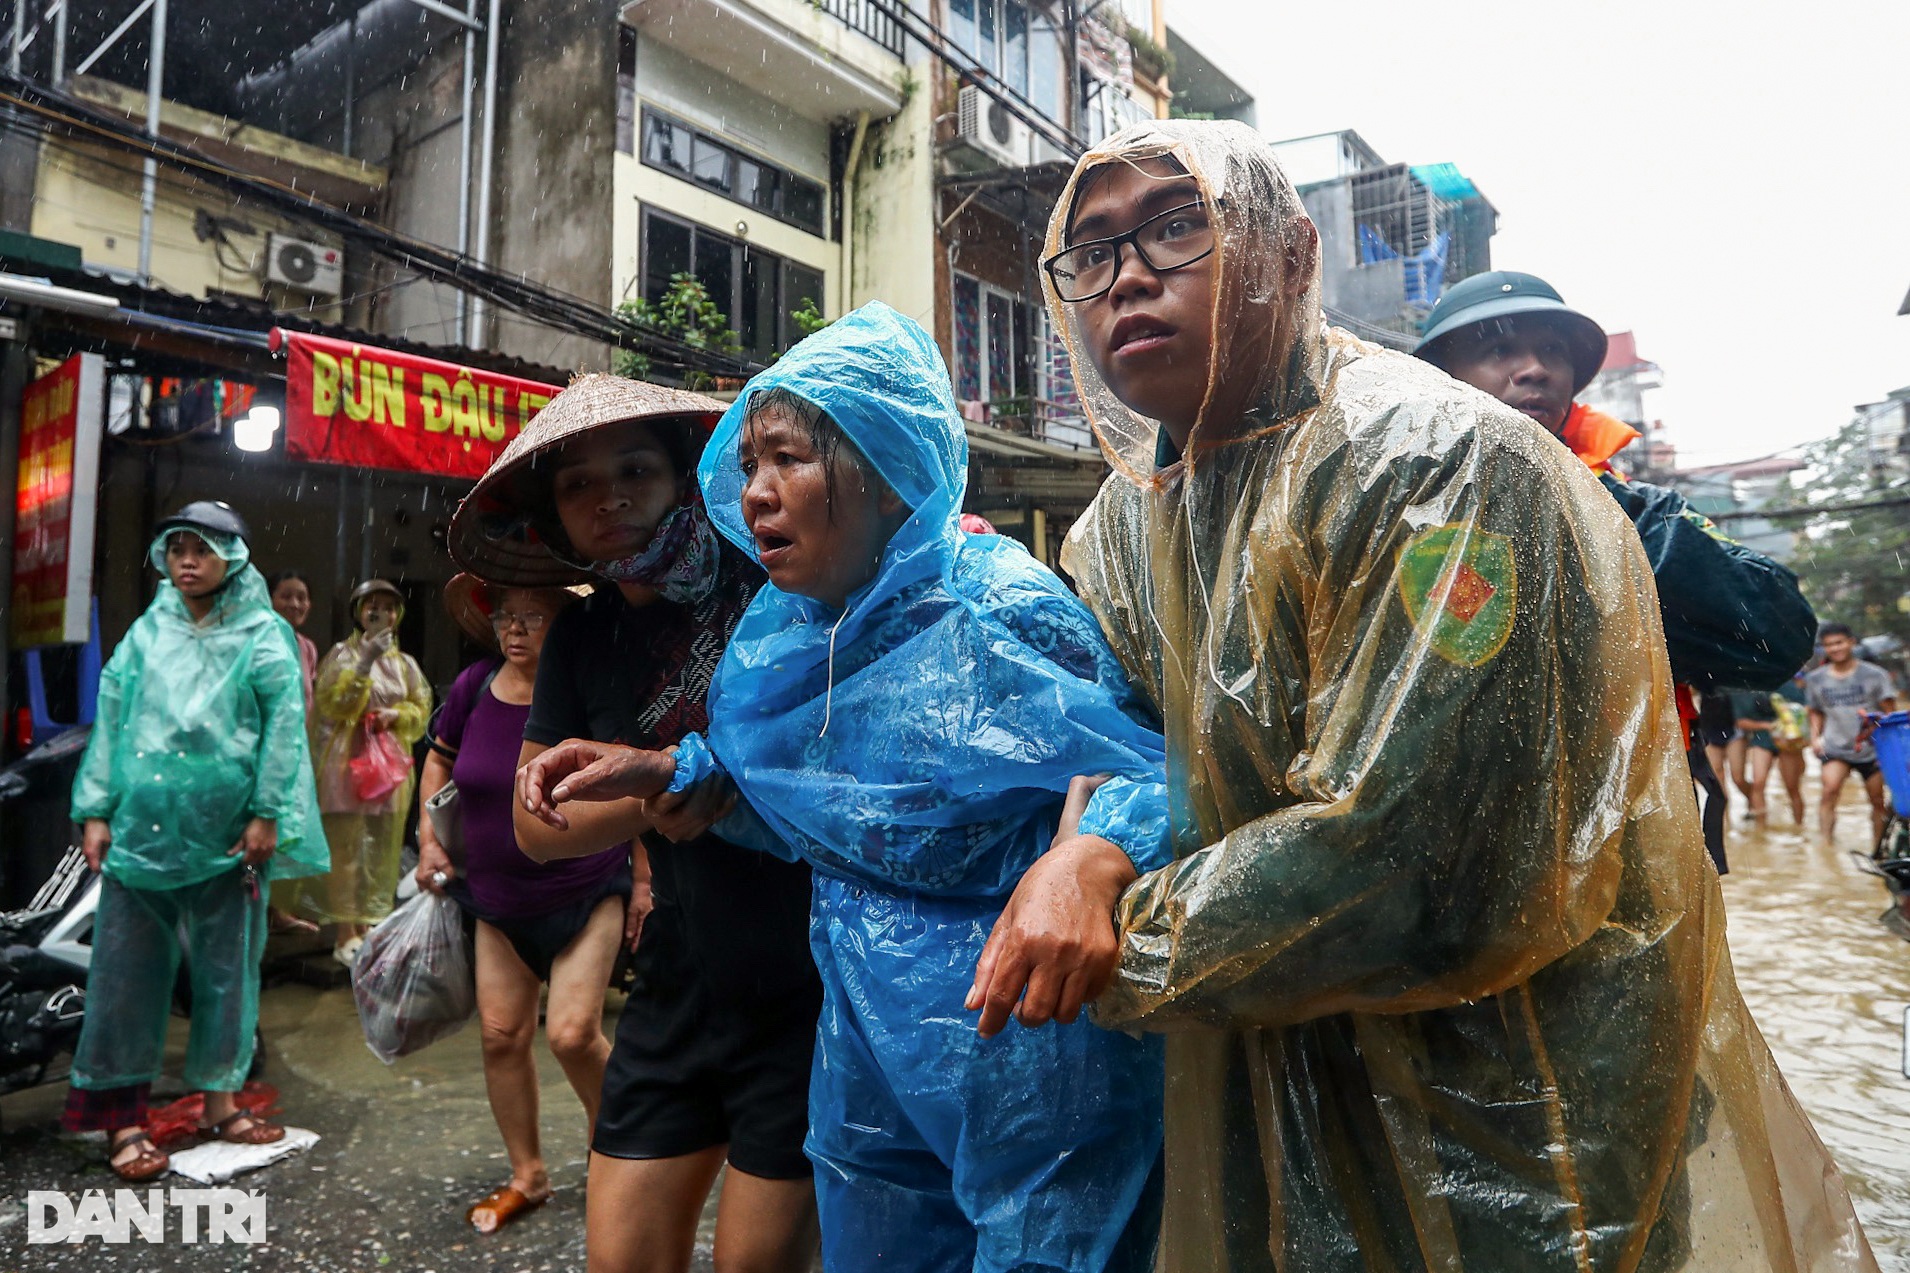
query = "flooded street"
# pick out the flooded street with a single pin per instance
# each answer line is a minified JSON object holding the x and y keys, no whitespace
{"x":1828,"y":985}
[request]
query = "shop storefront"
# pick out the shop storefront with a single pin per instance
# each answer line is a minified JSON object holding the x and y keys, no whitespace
{"x":345,"y":455}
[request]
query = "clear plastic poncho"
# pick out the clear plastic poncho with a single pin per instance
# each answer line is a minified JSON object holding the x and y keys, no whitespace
{"x":1441,"y":960}
{"x":367,"y":837}
{"x":201,"y":728}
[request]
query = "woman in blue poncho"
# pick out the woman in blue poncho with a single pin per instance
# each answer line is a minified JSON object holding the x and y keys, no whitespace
{"x":905,"y":707}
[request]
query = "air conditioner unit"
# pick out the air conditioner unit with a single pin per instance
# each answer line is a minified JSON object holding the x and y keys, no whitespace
{"x":310,"y":267}
{"x":985,"y":124}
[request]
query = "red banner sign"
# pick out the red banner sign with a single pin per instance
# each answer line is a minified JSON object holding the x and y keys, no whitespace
{"x":377,"y":408}
{"x":56,"y":495}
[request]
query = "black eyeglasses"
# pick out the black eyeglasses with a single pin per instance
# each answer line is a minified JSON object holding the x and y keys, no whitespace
{"x":532,"y":623}
{"x":1167,"y":241}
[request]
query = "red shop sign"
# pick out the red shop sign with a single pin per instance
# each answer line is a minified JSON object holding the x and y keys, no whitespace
{"x":55,"y":498}
{"x":377,"y":408}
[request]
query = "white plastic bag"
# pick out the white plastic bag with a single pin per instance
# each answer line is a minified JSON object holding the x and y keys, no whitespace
{"x":413,"y":978}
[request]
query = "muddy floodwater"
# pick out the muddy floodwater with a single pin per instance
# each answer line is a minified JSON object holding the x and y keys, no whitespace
{"x":1829,"y":986}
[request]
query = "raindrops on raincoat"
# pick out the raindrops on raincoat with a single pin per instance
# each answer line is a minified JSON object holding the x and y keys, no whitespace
{"x":1441,"y":959}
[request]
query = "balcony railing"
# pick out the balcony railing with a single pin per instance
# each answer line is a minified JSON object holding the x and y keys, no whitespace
{"x":1054,"y":423}
{"x":862,"y":16}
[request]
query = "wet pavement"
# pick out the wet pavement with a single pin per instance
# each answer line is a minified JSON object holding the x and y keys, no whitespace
{"x":406,"y":1148}
{"x":1829,"y":986}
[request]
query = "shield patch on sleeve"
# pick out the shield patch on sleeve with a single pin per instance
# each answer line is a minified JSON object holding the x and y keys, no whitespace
{"x":1460,"y":588}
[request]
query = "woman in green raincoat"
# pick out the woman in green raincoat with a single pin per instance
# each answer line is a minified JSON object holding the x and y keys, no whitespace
{"x":365,"y":687}
{"x":194,"y":790}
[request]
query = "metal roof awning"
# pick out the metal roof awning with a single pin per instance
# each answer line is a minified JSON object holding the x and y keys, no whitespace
{"x":1000,"y":443}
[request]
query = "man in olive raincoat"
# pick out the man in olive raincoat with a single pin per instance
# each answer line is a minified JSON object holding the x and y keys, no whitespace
{"x":1441,"y":963}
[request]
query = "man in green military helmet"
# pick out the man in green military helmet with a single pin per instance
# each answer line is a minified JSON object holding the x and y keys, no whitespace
{"x":1733,"y":618}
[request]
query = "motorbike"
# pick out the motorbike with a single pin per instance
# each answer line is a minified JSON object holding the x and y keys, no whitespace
{"x":45,"y":946}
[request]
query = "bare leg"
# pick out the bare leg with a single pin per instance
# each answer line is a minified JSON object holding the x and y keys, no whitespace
{"x":574,"y":1014}
{"x":1835,"y":771}
{"x":507,"y":1014}
{"x":1736,"y":756}
{"x":1720,"y":757}
{"x":1758,"y":763}
{"x":641,"y":1213}
{"x":1790,"y":767}
{"x":766,"y":1226}
{"x":1879,"y":810}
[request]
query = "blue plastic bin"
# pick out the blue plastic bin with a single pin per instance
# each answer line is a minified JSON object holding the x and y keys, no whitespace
{"x":1892,"y":741}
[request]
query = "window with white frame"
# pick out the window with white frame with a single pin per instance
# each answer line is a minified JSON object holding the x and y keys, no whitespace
{"x":692,"y":154}
{"x":1017,"y":42}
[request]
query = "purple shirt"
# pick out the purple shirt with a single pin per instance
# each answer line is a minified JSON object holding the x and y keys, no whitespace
{"x":488,"y":735}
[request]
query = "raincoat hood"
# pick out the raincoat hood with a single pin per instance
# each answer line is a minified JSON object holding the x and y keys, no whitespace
{"x":1266,"y":296}
{"x":230,"y":549}
{"x":881,"y":378}
{"x":819,"y":714}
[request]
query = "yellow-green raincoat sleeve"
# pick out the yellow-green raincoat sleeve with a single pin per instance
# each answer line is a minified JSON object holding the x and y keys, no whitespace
{"x":340,"y":691}
{"x":1457,"y":778}
{"x":414,"y":712}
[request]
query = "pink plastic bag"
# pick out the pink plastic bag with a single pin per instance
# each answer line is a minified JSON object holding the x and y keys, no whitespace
{"x":380,"y":768}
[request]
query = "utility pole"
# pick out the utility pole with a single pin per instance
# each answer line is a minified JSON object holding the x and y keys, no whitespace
{"x":149,"y":183}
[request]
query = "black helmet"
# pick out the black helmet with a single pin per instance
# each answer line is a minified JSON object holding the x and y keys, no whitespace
{"x":214,"y":515}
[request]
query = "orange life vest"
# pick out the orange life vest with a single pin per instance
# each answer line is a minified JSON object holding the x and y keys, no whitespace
{"x":1596,"y":437}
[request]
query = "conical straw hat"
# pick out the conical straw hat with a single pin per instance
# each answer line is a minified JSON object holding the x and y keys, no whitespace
{"x":492,"y":534}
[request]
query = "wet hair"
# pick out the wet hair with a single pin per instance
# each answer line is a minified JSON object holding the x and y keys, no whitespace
{"x":1101,"y":170}
{"x":277,"y":577}
{"x":1836,"y":629}
{"x":824,"y":434}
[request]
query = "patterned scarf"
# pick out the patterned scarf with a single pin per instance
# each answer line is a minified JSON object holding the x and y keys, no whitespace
{"x":680,"y":561}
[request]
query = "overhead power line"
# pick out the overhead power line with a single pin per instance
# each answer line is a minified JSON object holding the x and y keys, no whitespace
{"x":61,"y":113}
{"x":1823,"y":510}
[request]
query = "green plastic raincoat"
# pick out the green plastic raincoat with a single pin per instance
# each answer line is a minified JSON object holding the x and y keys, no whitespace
{"x":1441,"y":962}
{"x":367,"y":837}
{"x":201,"y":727}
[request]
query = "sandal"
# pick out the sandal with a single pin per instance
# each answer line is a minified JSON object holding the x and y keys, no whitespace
{"x":501,"y":1206}
{"x":279,"y":923}
{"x":259,"y":1133}
{"x":148,"y":1164}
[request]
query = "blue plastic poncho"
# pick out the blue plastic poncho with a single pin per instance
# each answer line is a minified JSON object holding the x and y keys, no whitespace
{"x":966,"y":688}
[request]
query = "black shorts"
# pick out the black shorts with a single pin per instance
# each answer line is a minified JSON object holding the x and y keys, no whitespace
{"x":1714,"y":737}
{"x":691,"y":1070}
{"x":1865,"y":769}
{"x":539,"y":939}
